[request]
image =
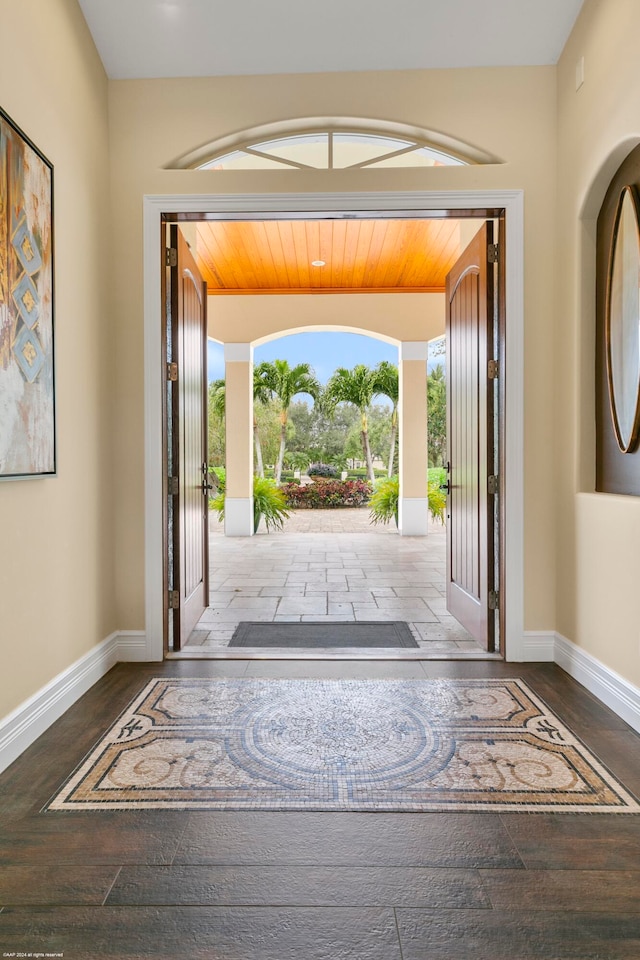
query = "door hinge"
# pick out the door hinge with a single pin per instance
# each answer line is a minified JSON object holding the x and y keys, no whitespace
{"x":174,"y":486}
{"x":492,"y":485}
{"x":493,"y":370}
{"x":172,"y":372}
{"x":174,"y":599}
{"x":494,"y":600}
{"x":171,"y":257}
{"x":492,"y":252}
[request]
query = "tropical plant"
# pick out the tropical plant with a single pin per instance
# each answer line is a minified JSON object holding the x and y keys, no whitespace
{"x":383,"y":505}
{"x":339,"y":461}
{"x":386,"y":494}
{"x":357,"y":387}
{"x":298,"y":460}
{"x":218,"y":477}
{"x":437,"y":500}
{"x":268,"y":501}
{"x":284,"y":383}
{"x":387,"y":385}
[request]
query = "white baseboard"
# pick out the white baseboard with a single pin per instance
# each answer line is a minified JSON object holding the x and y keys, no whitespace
{"x":25,"y":724}
{"x":132,"y":646}
{"x":618,"y":694}
{"x":538,"y":646}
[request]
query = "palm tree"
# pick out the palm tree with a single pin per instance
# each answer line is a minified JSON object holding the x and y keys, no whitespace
{"x":387,"y":385}
{"x":285,"y":382}
{"x":218,"y":404}
{"x":437,"y":416}
{"x":298,"y":460}
{"x":357,"y":386}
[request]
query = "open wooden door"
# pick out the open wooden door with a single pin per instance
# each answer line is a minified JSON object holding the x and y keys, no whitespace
{"x":188,"y":482}
{"x":472,"y":480}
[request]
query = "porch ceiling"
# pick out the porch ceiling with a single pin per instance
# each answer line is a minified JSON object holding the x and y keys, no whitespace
{"x":360,"y":256}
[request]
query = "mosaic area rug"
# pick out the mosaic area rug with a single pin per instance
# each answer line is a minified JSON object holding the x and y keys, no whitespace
{"x":410,"y":745}
{"x":314,"y":635}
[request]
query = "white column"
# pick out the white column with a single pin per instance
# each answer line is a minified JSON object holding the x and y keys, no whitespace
{"x":238,"y":501}
{"x":413,"y":510}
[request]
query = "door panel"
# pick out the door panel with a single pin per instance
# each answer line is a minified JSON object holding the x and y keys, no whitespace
{"x":470,"y":507}
{"x":190,"y":537}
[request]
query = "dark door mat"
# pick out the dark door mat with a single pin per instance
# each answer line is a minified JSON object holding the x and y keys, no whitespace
{"x":388,"y":633}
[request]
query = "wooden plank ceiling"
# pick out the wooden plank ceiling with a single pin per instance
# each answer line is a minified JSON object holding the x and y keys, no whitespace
{"x":361,"y":256}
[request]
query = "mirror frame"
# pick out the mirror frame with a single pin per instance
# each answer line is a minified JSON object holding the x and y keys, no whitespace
{"x":626,"y":445}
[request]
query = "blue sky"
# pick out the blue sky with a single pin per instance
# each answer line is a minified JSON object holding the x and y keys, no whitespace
{"x":324,"y":351}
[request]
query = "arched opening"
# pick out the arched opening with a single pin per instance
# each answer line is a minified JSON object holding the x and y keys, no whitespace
{"x":337,"y":559}
{"x":586,"y":412}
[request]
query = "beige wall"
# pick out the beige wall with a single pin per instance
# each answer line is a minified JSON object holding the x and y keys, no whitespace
{"x":509,"y":112}
{"x":56,"y":544}
{"x":406,"y":316}
{"x":598,"y":535}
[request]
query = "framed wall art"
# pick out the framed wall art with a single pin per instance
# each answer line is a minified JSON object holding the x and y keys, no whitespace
{"x":27,"y":388}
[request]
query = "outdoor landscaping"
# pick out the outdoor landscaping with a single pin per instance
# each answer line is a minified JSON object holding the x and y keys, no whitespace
{"x":338,"y":452}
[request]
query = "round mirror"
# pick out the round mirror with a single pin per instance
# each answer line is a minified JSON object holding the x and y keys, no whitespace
{"x":623,"y":322}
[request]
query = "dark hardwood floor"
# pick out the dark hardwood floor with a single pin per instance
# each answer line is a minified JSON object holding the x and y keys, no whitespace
{"x":336,"y":886}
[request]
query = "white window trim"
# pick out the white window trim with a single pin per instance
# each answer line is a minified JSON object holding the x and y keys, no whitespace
{"x":304,"y":125}
{"x":301,"y":206}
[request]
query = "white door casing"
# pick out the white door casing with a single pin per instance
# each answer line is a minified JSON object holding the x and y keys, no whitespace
{"x":334,"y":205}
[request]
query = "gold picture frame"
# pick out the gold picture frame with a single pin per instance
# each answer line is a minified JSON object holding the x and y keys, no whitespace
{"x":27,"y":389}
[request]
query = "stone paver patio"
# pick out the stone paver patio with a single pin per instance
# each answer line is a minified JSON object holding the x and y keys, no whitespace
{"x":330,"y":565}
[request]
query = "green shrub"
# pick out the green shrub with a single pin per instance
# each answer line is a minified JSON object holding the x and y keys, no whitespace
{"x":218,"y":476}
{"x":322,"y":470}
{"x":384,"y":501}
{"x":268,"y":501}
{"x":437,"y":475}
{"x":437,"y":499}
{"x":328,"y":495}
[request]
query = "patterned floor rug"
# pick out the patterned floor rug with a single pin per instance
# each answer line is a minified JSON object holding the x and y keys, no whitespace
{"x":365,"y":745}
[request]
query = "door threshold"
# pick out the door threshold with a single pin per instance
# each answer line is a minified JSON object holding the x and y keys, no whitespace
{"x":345,"y":653}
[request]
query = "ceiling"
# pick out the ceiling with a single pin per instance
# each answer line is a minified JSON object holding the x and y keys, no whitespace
{"x":360,"y":256}
{"x":191,"y":38}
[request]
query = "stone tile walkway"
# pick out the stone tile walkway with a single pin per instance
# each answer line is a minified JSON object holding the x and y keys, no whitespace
{"x":330,"y":565}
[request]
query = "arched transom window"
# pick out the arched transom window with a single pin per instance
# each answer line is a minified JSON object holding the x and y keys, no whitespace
{"x":337,"y":143}
{"x":330,"y":150}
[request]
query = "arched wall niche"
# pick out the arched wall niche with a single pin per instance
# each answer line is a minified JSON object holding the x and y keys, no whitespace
{"x":588,"y":210}
{"x":603,"y":467}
